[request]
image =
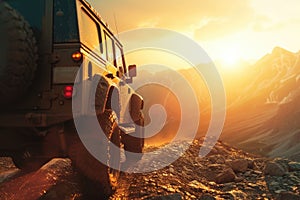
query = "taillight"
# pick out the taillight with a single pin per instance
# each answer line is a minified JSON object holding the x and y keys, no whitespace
{"x":68,"y":92}
{"x":77,"y":56}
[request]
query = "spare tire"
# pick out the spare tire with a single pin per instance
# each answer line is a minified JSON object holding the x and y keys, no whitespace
{"x":18,"y":54}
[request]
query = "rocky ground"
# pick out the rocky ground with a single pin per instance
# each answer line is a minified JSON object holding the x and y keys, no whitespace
{"x":226,"y":173}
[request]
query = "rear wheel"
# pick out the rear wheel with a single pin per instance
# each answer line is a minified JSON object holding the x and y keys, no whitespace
{"x":114,"y":161}
{"x":135,"y":144}
{"x":99,"y":178}
{"x":24,"y":147}
{"x":28,"y":159}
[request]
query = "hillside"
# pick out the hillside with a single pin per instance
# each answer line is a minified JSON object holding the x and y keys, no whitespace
{"x":265,"y":117}
{"x":263,"y":104}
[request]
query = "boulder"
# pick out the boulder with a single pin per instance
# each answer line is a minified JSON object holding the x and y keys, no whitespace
{"x":41,"y":184}
{"x":274,"y":169}
{"x":225,"y":176}
{"x":239,"y":165}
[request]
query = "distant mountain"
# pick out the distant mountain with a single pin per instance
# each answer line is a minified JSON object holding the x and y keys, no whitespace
{"x":263,"y":104}
{"x":273,"y":79}
{"x":265,"y":117}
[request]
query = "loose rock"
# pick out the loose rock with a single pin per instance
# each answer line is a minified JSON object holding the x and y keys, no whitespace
{"x":294,"y":166}
{"x":217,"y":159}
{"x":239,"y":165}
{"x":274,"y":169}
{"x":226,"y":176}
{"x":207,"y":197}
{"x":288,"y":196}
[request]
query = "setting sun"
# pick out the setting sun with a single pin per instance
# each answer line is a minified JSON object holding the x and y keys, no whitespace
{"x":231,"y":57}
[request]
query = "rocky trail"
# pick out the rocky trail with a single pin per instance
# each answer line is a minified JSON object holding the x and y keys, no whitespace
{"x":226,"y":173}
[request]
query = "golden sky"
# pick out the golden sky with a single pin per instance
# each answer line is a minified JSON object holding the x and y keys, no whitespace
{"x":229,"y":30}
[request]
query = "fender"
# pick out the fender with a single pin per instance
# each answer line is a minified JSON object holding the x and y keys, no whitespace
{"x":136,"y":105}
{"x":106,"y":94}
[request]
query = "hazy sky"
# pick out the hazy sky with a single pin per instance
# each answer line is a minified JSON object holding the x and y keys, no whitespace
{"x":247,"y":29}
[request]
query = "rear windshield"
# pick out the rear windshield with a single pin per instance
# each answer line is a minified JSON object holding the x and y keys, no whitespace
{"x":33,"y":12}
{"x":65,"y":21}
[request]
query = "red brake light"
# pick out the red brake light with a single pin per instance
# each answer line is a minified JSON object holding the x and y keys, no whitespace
{"x":68,"y":92}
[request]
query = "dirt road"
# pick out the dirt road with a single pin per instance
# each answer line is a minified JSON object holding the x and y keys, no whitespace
{"x":226,"y":173}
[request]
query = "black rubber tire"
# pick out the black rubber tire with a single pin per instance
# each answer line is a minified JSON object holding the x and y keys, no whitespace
{"x":24,"y":147}
{"x":20,"y":158}
{"x":18,"y":54}
{"x":29,"y":159}
{"x":114,"y":157}
{"x":134,"y":144}
{"x":99,"y":180}
{"x":24,"y":160}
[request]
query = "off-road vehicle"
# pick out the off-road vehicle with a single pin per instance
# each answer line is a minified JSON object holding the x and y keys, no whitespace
{"x":45,"y":45}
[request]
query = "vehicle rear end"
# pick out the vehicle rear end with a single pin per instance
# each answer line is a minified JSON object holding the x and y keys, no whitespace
{"x":40,"y":58}
{"x":39,"y":92}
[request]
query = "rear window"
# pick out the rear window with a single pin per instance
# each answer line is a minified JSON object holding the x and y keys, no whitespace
{"x":33,"y":12}
{"x":65,"y":21}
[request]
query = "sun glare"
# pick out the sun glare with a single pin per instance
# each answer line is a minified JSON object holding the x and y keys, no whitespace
{"x":230,"y":58}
